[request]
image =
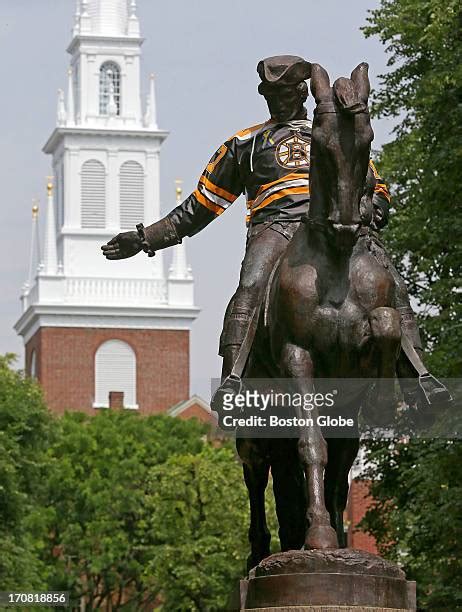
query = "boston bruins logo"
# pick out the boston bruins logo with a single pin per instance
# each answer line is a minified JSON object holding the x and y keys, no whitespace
{"x":293,"y":152}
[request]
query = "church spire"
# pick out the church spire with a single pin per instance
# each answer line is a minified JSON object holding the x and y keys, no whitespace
{"x":76,"y":29}
{"x":34,"y":256}
{"x":61,"y":115}
{"x":85,"y":19}
{"x":133,"y":23}
{"x":50,"y":255}
{"x":179,"y":270}
{"x":70,"y":99}
{"x":150,"y":118}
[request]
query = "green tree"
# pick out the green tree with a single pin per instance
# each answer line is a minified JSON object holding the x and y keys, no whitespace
{"x":99,"y":544}
{"x":199,"y":517}
{"x":423,"y":92}
{"x":416,"y":516}
{"x":26,"y":430}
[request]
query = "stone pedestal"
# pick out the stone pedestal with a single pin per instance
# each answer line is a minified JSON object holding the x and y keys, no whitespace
{"x":343,"y":580}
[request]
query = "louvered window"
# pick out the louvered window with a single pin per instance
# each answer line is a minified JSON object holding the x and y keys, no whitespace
{"x":115,"y":370}
{"x":93,"y":194}
{"x":131,"y":194}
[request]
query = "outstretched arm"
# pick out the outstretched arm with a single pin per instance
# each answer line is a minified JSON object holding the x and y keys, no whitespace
{"x":219,"y":185}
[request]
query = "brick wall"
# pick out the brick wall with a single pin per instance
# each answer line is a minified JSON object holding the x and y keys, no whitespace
{"x":358,"y":502}
{"x":66,"y":357}
{"x":195,"y":411}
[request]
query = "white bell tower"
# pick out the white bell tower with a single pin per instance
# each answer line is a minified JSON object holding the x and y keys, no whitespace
{"x":105,"y":152}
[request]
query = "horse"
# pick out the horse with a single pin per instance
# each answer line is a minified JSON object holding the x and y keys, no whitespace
{"x":330,"y":313}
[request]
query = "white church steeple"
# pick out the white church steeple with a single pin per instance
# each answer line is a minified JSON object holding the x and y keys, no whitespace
{"x":80,"y":310}
{"x":106,"y":162}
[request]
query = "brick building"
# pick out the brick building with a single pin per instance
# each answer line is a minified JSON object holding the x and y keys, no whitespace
{"x":359,"y":501}
{"x":95,"y":329}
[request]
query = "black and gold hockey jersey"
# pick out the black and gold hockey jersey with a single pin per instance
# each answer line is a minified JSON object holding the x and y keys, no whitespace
{"x":268,"y":162}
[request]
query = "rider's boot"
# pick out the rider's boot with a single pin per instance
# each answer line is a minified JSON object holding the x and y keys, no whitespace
{"x":235,"y":329}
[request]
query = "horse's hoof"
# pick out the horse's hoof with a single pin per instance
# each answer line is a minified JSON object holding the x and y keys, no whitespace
{"x":253,"y":560}
{"x":321,"y":537}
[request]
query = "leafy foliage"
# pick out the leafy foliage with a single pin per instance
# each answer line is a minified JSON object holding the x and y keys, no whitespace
{"x":423,"y":90}
{"x":117,"y":507}
{"x":97,"y":493}
{"x":417,"y":515}
{"x":25,"y":433}
{"x":198,"y":515}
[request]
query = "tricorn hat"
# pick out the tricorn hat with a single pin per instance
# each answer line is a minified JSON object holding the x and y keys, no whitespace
{"x":282,"y":70}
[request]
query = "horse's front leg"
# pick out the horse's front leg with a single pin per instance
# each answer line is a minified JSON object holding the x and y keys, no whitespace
{"x":312,"y":449}
{"x":380,"y":405}
{"x":256,"y":471}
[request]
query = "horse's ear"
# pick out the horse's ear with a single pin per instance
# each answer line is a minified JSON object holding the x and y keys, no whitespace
{"x":319,"y":83}
{"x":360,"y":78}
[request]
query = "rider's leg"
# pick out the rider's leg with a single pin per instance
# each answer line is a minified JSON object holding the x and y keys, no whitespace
{"x":264,"y":246}
{"x":409,"y":325}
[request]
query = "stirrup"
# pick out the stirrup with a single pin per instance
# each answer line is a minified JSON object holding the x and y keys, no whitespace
{"x":232,"y":384}
{"x":433,"y":390}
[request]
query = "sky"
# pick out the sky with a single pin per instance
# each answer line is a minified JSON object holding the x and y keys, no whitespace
{"x":204,"y":55}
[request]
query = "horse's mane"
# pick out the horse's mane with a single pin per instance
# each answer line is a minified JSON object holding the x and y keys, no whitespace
{"x":347,"y":97}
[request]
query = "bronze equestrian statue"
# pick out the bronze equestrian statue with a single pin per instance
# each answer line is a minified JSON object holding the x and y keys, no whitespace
{"x":331,"y":314}
{"x":334,"y":292}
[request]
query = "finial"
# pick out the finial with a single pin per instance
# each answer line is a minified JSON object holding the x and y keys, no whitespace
{"x":179,"y":189}
{"x":35,"y":209}
{"x":50,"y":185}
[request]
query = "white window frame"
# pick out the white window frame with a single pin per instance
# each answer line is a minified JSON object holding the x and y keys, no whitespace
{"x":102,"y":389}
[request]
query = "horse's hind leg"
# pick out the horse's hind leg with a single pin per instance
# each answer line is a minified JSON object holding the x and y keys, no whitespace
{"x":312,"y":449}
{"x":341,"y":456}
{"x":256,"y":471}
{"x":289,"y":493}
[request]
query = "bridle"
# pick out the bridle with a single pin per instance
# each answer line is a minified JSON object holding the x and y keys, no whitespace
{"x":324,"y":108}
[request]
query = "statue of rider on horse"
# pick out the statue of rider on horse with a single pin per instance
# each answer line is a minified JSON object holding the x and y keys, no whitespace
{"x":335,"y":306}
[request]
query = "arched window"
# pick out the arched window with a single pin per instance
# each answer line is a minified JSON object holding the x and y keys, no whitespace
{"x":109,"y":89}
{"x":115,"y":370}
{"x":93,"y":194}
{"x":131,"y":194}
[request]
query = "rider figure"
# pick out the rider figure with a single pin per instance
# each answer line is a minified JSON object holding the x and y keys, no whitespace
{"x":268,"y":162}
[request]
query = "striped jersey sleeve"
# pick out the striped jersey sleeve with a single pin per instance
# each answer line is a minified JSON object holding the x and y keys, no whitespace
{"x":219,"y":185}
{"x":380,"y":200}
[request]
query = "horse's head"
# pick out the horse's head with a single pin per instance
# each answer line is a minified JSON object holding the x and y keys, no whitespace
{"x":340,"y":148}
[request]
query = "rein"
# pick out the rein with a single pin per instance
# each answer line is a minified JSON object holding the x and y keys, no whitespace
{"x":331,"y":107}
{"x":363,"y":231}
